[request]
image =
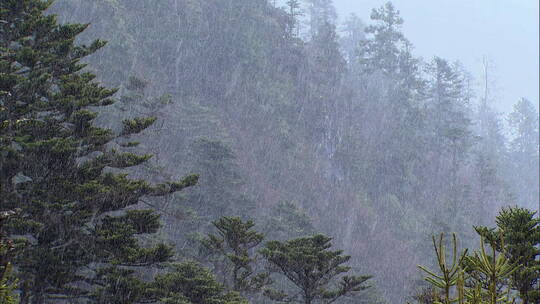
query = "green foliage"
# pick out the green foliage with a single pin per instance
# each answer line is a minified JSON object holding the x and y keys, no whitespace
{"x":449,"y":96}
{"x":136,"y":125}
{"x":449,"y":272}
{"x":384,"y":50}
{"x":55,"y":166}
{"x":242,"y":74}
{"x":310,"y":265}
{"x":8,"y":283}
{"x":524,"y":123}
{"x":524,"y":152}
{"x":235,"y":242}
{"x":190,"y":283}
{"x":120,"y":286}
{"x":520,"y":231}
{"x":472,"y":279}
{"x":494,"y":269}
{"x":136,"y":84}
{"x":188,"y":181}
{"x":118,"y":244}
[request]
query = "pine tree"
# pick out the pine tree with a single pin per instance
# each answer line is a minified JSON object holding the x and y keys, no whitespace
{"x":491,"y":159}
{"x":189,"y":283}
{"x":448,"y":104}
{"x":293,"y":13}
{"x":326,"y":68}
{"x":521,"y":237}
{"x":524,"y":122}
{"x":382,"y":51}
{"x":450,"y":139}
{"x":310,"y":265}
{"x":60,"y":170}
{"x":392,"y":76}
{"x":235,"y":242}
{"x":524,"y":151}
{"x":321,"y":12}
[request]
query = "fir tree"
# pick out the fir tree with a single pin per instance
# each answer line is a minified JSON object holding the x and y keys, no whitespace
{"x":60,"y":170}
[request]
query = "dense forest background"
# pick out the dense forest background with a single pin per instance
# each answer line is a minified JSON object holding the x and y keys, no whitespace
{"x":304,"y":125}
{"x":286,"y":114}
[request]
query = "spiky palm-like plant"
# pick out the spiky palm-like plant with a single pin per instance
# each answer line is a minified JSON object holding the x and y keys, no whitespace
{"x":495,"y":268}
{"x":449,"y":274}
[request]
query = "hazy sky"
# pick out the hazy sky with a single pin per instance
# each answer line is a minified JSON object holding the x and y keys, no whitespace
{"x":506,"y":31}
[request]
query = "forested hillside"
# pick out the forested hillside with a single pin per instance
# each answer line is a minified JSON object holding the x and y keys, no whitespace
{"x":254,"y":135}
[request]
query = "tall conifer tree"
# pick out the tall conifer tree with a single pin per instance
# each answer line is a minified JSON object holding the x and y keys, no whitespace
{"x":233,"y":250}
{"x":60,"y":170}
{"x":524,"y":151}
{"x":313,"y":268}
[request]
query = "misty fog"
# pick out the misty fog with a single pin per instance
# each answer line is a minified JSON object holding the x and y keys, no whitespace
{"x":269,"y":151}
